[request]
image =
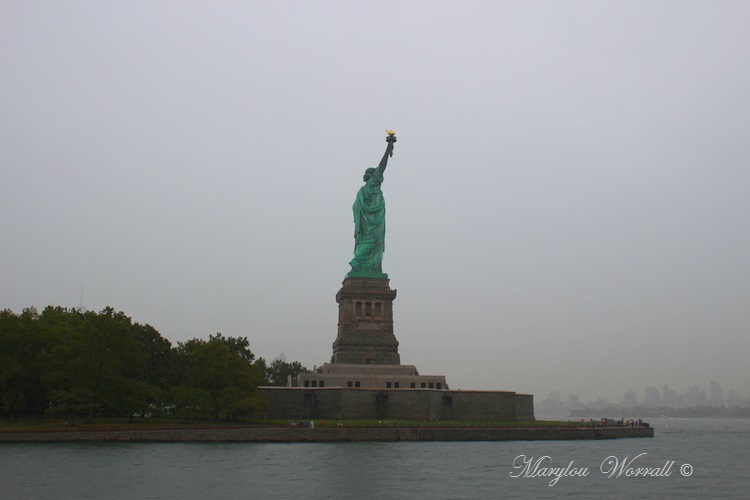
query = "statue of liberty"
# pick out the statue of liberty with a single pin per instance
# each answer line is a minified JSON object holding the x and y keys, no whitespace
{"x":369,"y":220}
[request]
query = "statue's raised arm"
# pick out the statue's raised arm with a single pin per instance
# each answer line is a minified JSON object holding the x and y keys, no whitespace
{"x":391,"y":139}
{"x":369,"y":219}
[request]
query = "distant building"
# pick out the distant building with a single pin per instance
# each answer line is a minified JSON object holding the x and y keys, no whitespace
{"x":651,"y":397}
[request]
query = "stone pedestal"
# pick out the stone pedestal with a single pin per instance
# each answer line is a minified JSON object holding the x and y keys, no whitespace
{"x":365,"y":329}
{"x":366,"y":380}
{"x":370,"y":376}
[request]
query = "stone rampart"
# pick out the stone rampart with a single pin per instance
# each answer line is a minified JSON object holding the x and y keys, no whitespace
{"x":339,"y":403}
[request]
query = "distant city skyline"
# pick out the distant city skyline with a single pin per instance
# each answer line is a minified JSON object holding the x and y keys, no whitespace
{"x":651,"y":397}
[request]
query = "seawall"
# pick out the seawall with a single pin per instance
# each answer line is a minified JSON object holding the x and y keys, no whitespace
{"x":323,"y":434}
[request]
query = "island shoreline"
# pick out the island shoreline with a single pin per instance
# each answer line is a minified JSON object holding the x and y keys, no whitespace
{"x":324,"y":434}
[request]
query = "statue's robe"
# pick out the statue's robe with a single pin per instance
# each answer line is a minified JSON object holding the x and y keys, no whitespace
{"x":369,"y":226}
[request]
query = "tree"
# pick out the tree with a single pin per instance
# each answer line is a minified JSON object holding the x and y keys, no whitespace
{"x":92,"y":362}
{"x":262,"y":367}
{"x":236,"y":345}
{"x":100,"y":363}
{"x":189,"y":401}
{"x":67,"y":362}
{"x":279,"y":372}
{"x":21,"y":344}
{"x":222,"y":366}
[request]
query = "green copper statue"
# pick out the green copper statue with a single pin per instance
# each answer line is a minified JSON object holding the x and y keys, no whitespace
{"x":369,"y":220}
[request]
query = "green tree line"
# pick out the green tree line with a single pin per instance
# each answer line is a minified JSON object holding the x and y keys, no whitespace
{"x":64,"y":362}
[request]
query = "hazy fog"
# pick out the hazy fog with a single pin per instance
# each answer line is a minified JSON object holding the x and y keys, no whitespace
{"x":568,"y":203}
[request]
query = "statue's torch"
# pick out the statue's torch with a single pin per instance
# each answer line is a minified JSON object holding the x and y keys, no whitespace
{"x":391,"y":138}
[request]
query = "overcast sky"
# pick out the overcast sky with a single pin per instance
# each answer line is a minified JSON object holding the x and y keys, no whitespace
{"x":568,"y":204}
